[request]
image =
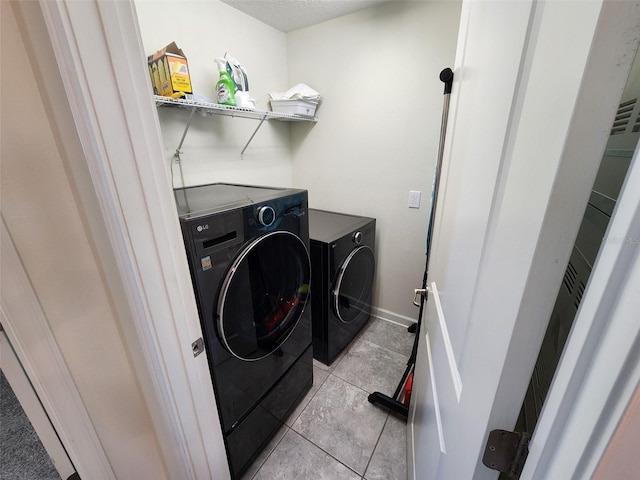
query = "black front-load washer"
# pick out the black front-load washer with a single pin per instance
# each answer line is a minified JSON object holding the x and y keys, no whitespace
{"x":247,"y":249}
{"x":343,"y":265}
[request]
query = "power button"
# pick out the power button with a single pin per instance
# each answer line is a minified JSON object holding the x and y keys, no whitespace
{"x":266,"y":215}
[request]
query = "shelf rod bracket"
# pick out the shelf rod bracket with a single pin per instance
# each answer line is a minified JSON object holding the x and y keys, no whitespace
{"x":253,"y":135}
{"x":176,"y":156}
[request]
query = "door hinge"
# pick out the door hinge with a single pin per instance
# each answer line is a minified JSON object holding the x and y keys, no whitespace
{"x":506,"y":452}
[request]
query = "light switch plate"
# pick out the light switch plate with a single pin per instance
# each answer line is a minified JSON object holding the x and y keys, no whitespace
{"x":414,"y":199}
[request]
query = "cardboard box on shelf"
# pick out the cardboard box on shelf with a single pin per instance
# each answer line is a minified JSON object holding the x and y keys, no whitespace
{"x":169,"y":72}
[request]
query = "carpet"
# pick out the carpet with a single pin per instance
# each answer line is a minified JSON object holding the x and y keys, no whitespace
{"x":22,"y":456}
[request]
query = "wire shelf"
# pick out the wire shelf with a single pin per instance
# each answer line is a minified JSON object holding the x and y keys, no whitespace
{"x":215,"y":109}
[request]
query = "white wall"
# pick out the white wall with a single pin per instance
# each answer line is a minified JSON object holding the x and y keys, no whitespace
{"x":211,"y":151}
{"x":48,"y":226}
{"x":379,"y":126}
{"x":377,"y":137}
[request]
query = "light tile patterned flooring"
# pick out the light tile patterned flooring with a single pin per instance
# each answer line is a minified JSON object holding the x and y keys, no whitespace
{"x":335,"y":433}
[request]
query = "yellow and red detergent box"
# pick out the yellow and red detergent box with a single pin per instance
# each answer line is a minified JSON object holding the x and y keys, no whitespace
{"x":169,"y":72}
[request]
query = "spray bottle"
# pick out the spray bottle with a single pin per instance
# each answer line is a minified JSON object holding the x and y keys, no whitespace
{"x":225,"y":88}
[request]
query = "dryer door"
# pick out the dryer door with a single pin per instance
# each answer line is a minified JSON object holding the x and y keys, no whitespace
{"x":263,"y":295}
{"x":352,"y":288}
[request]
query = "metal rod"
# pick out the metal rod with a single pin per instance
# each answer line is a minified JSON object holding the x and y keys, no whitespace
{"x":254,"y":134}
{"x":393,"y":403}
{"x":436,"y":187}
{"x":176,"y":156}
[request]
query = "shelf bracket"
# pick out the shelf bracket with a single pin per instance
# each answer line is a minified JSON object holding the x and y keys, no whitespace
{"x":176,"y":156}
{"x":253,"y":135}
{"x":215,"y":109}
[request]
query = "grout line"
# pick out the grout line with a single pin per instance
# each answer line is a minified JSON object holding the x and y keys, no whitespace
{"x":364,"y":330}
{"x":289,"y":428}
{"x":271,"y":452}
{"x":386,"y":420}
{"x":359,"y":336}
{"x":386,"y":410}
{"x":386,"y":348}
{"x":347,"y":381}
{"x":394,"y":323}
{"x":331,"y":456}
{"x":330,"y":372}
{"x":312,"y":397}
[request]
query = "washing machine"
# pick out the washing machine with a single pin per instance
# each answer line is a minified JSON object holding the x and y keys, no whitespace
{"x":343,"y":265}
{"x":247,"y":249}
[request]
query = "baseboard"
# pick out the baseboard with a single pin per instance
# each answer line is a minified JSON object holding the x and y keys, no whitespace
{"x":393,"y":317}
{"x":411,"y":453}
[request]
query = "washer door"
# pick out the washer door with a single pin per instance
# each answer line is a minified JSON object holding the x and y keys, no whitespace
{"x":352,"y":288}
{"x":263,"y":295}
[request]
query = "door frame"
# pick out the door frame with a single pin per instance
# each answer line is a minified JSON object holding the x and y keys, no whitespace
{"x":599,"y":371}
{"x":92,"y":72}
{"x":613,"y":38}
{"x":32,"y":407}
{"x":36,"y":349}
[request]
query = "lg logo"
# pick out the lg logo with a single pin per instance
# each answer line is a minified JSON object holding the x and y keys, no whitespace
{"x":202,"y":227}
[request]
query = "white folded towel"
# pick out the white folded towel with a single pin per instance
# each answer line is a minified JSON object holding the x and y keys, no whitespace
{"x":297,"y":92}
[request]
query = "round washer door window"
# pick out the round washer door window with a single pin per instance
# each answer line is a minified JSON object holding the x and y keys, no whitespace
{"x":263,"y":295}
{"x":352,"y":292}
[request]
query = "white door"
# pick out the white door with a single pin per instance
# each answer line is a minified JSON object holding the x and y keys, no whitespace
{"x":29,"y":401}
{"x":535,"y":91}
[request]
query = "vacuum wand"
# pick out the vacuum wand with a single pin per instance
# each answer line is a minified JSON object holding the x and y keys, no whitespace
{"x":393,"y":403}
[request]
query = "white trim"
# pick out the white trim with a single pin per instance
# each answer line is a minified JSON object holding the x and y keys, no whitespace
{"x":136,"y":232}
{"x":448,"y":347}
{"x":592,"y":383}
{"x":411,"y":449}
{"x":32,"y":407}
{"x":389,"y":316}
{"x":599,"y":371}
{"x":28,"y":331}
{"x":436,"y":402}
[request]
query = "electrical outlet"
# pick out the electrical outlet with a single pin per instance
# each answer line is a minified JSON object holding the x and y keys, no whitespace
{"x":414,"y":199}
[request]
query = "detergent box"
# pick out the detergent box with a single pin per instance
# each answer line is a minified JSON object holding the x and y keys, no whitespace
{"x":169,"y":72}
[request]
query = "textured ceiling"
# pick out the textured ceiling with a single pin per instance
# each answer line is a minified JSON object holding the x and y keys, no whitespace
{"x":288,"y":15}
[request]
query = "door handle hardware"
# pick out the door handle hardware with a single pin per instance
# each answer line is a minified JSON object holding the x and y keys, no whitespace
{"x":419,"y":292}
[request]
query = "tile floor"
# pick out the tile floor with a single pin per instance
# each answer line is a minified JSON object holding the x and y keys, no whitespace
{"x":335,"y":433}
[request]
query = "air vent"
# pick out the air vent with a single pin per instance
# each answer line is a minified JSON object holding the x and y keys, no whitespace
{"x":570,"y":277}
{"x":636,"y":126}
{"x":579,"y":294}
{"x":623,"y":115}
